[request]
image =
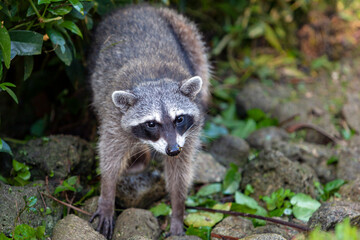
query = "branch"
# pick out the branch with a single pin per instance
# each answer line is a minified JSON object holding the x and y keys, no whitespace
{"x":300,"y":227}
{"x":66,"y":204}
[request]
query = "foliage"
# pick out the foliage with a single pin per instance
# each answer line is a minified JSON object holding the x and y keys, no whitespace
{"x":329,"y":189}
{"x":343,"y":231}
{"x":278,"y":203}
{"x":161,"y":210}
{"x":20,"y":174}
{"x":24,"y":231}
{"x":70,"y":184}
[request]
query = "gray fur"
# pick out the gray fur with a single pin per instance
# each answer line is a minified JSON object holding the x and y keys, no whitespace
{"x":144,"y":62}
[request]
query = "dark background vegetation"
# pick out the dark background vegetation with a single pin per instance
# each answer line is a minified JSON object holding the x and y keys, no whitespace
{"x":266,"y":40}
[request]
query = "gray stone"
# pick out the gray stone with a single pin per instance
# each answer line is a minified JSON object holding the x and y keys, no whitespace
{"x":208,"y":170}
{"x":140,"y":190}
{"x":271,"y":170}
{"x":351,"y":191}
{"x":138,"y":238}
{"x":281,"y":230}
{"x":233,"y":226}
{"x":331,"y":213}
{"x":230,"y":149}
{"x":263,"y":137}
{"x":316,"y":156}
{"x":12,"y":203}
{"x":183,"y":238}
{"x":62,"y":155}
{"x":348,"y":167}
{"x":74,"y":228}
{"x":264,"y":236}
{"x":351,"y":111}
{"x":136,"y":222}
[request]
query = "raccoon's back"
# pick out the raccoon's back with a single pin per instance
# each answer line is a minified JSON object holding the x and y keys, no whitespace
{"x":136,"y":35}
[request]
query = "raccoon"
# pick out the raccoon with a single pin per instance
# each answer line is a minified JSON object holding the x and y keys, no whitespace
{"x":149,"y":76}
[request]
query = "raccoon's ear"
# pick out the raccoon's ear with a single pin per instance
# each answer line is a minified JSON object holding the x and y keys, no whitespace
{"x":123,"y":99}
{"x":191,"y":87}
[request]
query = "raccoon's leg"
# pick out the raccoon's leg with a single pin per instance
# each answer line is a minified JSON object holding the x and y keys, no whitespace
{"x":113,"y":160}
{"x":179,"y":174}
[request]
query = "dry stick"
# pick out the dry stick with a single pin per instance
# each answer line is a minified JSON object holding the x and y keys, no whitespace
{"x":289,"y":224}
{"x":66,"y":204}
{"x":300,"y":126}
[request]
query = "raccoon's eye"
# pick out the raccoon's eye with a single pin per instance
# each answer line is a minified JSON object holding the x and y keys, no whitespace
{"x":179,"y":119}
{"x":151,"y":124}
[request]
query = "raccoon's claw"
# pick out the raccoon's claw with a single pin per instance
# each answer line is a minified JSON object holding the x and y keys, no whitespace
{"x":105,"y":225}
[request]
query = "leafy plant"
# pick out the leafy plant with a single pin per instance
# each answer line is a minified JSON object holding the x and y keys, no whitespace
{"x":161,"y":210}
{"x":329,"y":189}
{"x":304,"y":206}
{"x":343,"y":231}
{"x":24,"y":231}
{"x":70,"y":184}
{"x":278,"y":202}
{"x":20,"y":174}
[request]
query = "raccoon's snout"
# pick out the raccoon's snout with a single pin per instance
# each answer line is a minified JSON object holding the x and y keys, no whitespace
{"x":173,"y":150}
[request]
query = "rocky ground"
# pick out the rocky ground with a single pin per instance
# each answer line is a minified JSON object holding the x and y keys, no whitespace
{"x":322,"y":109}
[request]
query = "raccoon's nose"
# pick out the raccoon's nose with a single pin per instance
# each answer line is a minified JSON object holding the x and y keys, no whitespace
{"x":173,"y":150}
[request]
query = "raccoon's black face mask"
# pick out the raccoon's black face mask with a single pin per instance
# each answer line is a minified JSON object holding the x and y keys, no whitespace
{"x":160,"y":114}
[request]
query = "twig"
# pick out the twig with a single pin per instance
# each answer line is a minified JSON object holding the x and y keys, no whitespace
{"x":42,"y":198}
{"x":299,"y":126}
{"x":66,"y":204}
{"x":300,"y":227}
{"x":223,"y":237}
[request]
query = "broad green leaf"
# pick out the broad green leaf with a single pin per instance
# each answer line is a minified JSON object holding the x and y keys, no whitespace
{"x":4,"y":237}
{"x":63,"y":188}
{"x":230,"y":112}
{"x":72,"y":27}
{"x":5,"y":147}
{"x":256,"y":114}
{"x":209,"y":189}
{"x":25,"y":43}
{"x":65,"y":56}
{"x":57,"y":39}
{"x":40,"y":231}
{"x":60,"y":10}
{"x":24,"y":231}
{"x":194,"y":201}
{"x":12,"y":94}
{"x":244,"y":128}
{"x":242,"y":208}
{"x":5,"y":45}
{"x":18,"y":165}
{"x":206,"y":219}
{"x":203,"y":232}
{"x":232,"y":180}
{"x":333,"y":185}
{"x":77,"y":5}
{"x":271,"y":37}
{"x":161,"y":210}
{"x":241,"y":198}
{"x":28,"y":66}
{"x":31,"y":201}
{"x":72,"y":180}
{"x":24,"y":175}
{"x":304,"y":206}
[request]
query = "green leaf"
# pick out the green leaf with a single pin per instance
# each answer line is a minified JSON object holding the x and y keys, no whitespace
{"x":5,"y":45}
{"x":63,"y":188}
{"x":334,"y":185}
{"x":4,"y":147}
{"x":206,"y":219}
{"x":332,"y":160}
{"x":78,"y":6}
{"x":72,"y":180}
{"x":203,"y":232}
{"x":66,"y":56}
{"x":304,"y":206}
{"x":12,"y":94}
{"x":244,"y":128}
{"x":57,"y":39}
{"x":4,"y":237}
{"x":28,"y":66}
{"x":256,"y":30}
{"x":230,"y":112}
{"x":241,"y":198}
{"x":256,"y":114}
{"x":24,"y":231}
{"x":232,"y":180}
{"x":25,"y":43}
{"x":63,"y":10}
{"x":209,"y":189}
{"x":272,"y":39}
{"x":161,"y":210}
{"x":24,"y":175}
{"x":31,"y":201}
{"x":18,"y":165}
{"x":72,"y":27}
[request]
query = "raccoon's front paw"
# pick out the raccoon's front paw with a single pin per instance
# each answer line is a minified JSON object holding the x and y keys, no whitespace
{"x":177,"y":229}
{"x":106,"y":222}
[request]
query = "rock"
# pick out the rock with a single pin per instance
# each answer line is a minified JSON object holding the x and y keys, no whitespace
{"x":351,"y":191}
{"x":140,"y":190}
{"x":12,"y":203}
{"x":136,"y":222}
{"x":263,"y":137}
{"x":138,"y":238}
{"x":208,"y":170}
{"x":264,"y":236}
{"x":61,"y":155}
{"x":281,"y":230}
{"x":90,"y":205}
{"x":74,"y":228}
{"x":331,"y":213}
{"x":271,"y":170}
{"x":233,"y":226}
{"x":348,"y":167}
{"x":351,"y":111}
{"x":183,"y":238}
{"x":316,"y":156}
{"x":230,"y":149}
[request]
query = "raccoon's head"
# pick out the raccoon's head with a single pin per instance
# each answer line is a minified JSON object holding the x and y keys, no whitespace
{"x":161,"y":113}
